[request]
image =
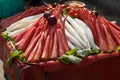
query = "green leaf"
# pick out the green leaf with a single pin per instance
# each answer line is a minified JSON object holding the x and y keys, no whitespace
{"x":18,"y":54}
{"x":118,"y":49}
{"x":13,"y":55}
{"x":4,"y":35}
{"x":9,"y":61}
{"x":109,"y":51}
{"x":82,"y":53}
{"x":74,"y":59}
{"x":71,"y":52}
{"x":64,"y":59}
{"x":10,"y":38}
{"x":11,"y":58}
{"x":94,"y":51}
{"x":24,"y":60}
{"x":67,"y":59}
{"x":65,"y":12}
{"x":21,"y":58}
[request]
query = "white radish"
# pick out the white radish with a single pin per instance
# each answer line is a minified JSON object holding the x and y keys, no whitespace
{"x":23,"y":22}
{"x":74,"y":33}
{"x":19,"y":30}
{"x":88,"y":33}
{"x":73,"y":40}
{"x":70,"y":45}
{"x":18,"y":26}
{"x":79,"y":30}
{"x":32,"y":17}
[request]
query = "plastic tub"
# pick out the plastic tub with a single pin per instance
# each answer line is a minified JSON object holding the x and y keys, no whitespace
{"x":10,"y":7}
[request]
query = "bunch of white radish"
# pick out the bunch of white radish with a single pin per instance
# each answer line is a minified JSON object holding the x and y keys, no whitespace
{"x":79,"y":34}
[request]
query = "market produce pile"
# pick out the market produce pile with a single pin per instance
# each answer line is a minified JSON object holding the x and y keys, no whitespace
{"x":62,"y":32}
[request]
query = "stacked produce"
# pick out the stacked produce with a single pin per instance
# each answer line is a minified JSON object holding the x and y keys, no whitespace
{"x":42,"y":40}
{"x":64,"y":32}
{"x":78,"y":34}
{"x":106,"y":33}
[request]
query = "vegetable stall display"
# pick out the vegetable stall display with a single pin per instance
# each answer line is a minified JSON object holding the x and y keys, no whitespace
{"x":65,"y":33}
{"x":54,"y":36}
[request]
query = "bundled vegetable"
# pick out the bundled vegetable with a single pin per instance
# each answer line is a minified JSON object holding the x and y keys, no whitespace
{"x":79,"y":34}
{"x":42,"y":41}
{"x":105,"y":33}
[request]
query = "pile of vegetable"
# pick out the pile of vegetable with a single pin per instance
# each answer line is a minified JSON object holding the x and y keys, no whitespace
{"x":63,"y":32}
{"x":106,"y":33}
